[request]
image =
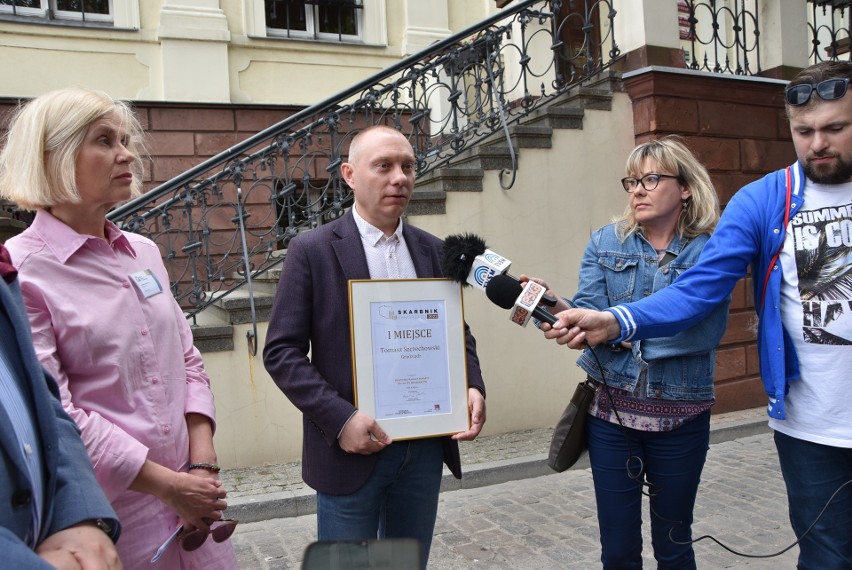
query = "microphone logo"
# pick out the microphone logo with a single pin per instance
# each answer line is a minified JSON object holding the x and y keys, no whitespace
{"x":526,"y":303}
{"x":486,"y":266}
{"x":520,"y":316}
{"x":531,"y":295}
{"x":482,"y":274}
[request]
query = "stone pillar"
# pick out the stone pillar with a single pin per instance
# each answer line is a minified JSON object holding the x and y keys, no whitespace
{"x":194,"y":40}
{"x":784,"y":42}
{"x":425,"y":24}
{"x":647,"y":33}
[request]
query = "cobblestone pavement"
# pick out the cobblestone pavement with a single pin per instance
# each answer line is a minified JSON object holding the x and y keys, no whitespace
{"x":287,"y":477}
{"x":549,"y":522}
{"x":252,"y":483}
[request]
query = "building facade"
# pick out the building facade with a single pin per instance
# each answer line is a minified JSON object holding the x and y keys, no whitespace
{"x":205,"y":75}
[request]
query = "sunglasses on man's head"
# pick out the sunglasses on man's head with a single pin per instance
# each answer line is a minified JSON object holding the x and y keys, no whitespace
{"x":828,"y":90}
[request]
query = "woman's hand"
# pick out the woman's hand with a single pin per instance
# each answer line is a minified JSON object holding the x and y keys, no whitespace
{"x":561,"y":304}
{"x":195,"y":498}
{"x":524,"y":278}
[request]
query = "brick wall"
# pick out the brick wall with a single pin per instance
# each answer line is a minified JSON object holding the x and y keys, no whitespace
{"x":180,"y":136}
{"x":737,"y":128}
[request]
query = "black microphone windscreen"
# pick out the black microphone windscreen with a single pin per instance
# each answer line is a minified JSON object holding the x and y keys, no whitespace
{"x":503,"y":290}
{"x":460,"y":250}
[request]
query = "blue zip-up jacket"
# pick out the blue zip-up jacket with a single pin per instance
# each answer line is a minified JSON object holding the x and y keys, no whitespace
{"x":613,"y":272}
{"x":750,"y":232}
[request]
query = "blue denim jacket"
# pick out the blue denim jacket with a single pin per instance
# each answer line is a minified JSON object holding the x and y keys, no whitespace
{"x":681,"y":367}
{"x":750,"y":232}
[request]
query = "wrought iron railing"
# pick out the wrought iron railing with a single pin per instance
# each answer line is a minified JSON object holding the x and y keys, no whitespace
{"x":724,"y":37}
{"x":10,"y":210}
{"x":828,"y":30}
{"x":225,"y":221}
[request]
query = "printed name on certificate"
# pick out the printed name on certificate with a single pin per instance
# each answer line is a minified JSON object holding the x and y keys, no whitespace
{"x":410,"y":364}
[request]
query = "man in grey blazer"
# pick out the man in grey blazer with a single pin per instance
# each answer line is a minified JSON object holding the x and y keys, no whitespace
{"x":53,"y":514}
{"x":367,"y":486}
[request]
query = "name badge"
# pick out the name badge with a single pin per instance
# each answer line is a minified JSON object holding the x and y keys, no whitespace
{"x":147,"y":283}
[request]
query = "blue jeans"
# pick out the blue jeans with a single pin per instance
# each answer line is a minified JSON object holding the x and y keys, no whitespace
{"x":812,"y":473}
{"x":399,"y":500}
{"x":671,"y":462}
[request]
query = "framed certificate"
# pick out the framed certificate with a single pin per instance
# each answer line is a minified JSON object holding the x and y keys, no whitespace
{"x":408,"y":355}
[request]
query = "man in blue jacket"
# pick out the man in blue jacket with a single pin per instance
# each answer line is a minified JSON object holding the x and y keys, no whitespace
{"x":53,"y":514}
{"x":794,"y":227}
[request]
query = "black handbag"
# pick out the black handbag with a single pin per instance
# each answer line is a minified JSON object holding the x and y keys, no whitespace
{"x":569,"y":435}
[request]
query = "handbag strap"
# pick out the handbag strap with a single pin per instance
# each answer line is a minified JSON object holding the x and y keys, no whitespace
{"x":666,"y":258}
{"x":774,"y":259}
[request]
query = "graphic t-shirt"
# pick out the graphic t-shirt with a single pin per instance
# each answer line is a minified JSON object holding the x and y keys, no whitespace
{"x":816,"y":307}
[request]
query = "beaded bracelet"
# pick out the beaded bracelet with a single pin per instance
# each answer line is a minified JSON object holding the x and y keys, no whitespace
{"x":212,"y":467}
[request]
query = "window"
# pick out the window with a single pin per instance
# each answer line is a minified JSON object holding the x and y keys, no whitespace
{"x":75,"y":10}
{"x":367,"y":20}
{"x":116,"y":14}
{"x":318,"y":19}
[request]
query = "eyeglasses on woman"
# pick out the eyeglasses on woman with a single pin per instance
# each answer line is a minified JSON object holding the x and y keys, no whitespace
{"x":649,"y":182}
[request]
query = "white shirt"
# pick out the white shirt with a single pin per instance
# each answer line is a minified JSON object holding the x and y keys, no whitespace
{"x":387,"y":256}
{"x":816,"y":308}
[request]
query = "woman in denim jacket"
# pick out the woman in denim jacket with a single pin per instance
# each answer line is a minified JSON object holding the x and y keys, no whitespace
{"x":650,"y":426}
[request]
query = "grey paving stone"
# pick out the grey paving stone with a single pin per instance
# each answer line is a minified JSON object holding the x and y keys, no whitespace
{"x":549,"y":522}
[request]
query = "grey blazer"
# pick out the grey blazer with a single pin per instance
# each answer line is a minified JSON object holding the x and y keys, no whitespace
{"x":72,"y":494}
{"x":310,"y":312}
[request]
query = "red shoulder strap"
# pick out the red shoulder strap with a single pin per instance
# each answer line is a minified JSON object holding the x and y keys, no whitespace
{"x":774,"y":259}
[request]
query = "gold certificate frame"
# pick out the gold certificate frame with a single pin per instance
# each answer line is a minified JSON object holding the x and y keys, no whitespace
{"x":409,"y":356}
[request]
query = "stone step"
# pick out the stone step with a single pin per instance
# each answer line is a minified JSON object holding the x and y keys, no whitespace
{"x":532,"y":136}
{"x":235,"y":308}
{"x":451,"y":180}
{"x":494,"y":156}
{"x":267,"y":282}
{"x":427,"y":202}
{"x":213,"y":338}
{"x":213,"y":329}
{"x":597,"y":98}
{"x":557,"y":117}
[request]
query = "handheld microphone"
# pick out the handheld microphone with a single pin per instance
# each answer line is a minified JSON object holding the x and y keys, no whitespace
{"x":506,"y":291}
{"x":468,"y":261}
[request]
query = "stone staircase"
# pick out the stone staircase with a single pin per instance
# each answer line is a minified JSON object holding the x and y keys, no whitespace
{"x":213,"y":328}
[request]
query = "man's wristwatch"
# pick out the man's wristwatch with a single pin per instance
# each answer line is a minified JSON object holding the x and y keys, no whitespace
{"x":104,"y":526}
